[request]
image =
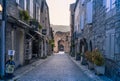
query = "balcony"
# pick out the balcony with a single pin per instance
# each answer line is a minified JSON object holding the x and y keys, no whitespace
{"x":35,"y":25}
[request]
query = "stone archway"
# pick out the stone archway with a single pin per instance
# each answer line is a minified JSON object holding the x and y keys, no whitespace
{"x":61,"y":46}
{"x":63,"y":39}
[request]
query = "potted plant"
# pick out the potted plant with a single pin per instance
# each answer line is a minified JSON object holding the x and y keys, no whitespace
{"x":89,"y":57}
{"x":24,"y":15}
{"x":98,"y":62}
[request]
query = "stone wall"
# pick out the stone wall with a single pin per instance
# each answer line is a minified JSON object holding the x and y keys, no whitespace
{"x":103,"y":23}
{"x":62,"y":36}
{"x":12,"y":8}
{"x":104,"y":34}
{"x":97,"y":31}
{"x":15,"y":35}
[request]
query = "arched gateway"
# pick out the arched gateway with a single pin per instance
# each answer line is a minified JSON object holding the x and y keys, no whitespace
{"x":61,"y":44}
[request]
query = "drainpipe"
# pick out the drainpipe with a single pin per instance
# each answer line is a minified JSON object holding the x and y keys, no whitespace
{"x":2,"y":51}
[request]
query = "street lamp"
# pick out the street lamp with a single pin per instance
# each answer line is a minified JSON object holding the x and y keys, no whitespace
{"x":1,"y":9}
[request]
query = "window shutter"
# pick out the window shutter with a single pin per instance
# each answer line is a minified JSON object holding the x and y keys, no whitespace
{"x":17,"y":1}
{"x":82,"y":21}
{"x":89,"y":12}
{"x":112,"y":46}
{"x":82,"y":2}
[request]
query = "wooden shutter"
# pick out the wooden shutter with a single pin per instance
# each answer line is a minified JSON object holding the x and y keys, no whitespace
{"x":89,"y":12}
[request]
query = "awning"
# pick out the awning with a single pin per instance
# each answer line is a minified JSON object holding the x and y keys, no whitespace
{"x":40,"y":34}
{"x":30,"y":36}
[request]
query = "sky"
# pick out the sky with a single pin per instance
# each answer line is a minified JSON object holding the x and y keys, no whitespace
{"x":59,"y":11}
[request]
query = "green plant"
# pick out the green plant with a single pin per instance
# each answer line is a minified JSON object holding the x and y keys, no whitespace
{"x":40,"y":27}
{"x":24,"y":15}
{"x":98,"y":58}
{"x":89,"y":56}
{"x":51,"y":42}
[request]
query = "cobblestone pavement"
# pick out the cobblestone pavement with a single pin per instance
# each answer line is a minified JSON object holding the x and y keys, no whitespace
{"x":57,"y":68}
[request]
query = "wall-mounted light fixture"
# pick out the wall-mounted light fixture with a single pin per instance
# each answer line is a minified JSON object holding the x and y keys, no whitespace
{"x":1,"y":9}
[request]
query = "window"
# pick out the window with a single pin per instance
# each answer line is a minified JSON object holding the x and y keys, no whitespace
{"x":31,"y":8}
{"x":110,"y":4}
{"x":25,"y":6}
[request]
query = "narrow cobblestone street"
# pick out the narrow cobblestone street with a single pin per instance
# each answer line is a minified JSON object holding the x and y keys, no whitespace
{"x":57,"y":68}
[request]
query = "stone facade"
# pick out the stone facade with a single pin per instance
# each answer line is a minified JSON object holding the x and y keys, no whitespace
{"x":25,"y":37}
{"x":15,"y":34}
{"x":72,"y":28}
{"x":45,"y":22}
{"x":102,"y":33}
{"x":104,"y":36}
{"x":63,"y":39}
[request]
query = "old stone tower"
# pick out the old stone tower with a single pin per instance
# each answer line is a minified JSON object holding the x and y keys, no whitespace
{"x":62,"y":41}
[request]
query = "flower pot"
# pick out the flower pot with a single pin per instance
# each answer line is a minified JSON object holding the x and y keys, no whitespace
{"x":99,"y":70}
{"x":90,"y":65}
{"x":83,"y":60}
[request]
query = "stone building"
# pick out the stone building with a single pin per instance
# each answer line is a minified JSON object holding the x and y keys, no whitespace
{"x":105,"y":34}
{"x":72,"y":13}
{"x":51,"y":42}
{"x":100,"y":29}
{"x":23,"y":32}
{"x":45,"y":22}
{"x":62,"y":41}
{"x":15,"y":32}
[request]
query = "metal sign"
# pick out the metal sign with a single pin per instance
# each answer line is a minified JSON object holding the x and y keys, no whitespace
{"x":11,"y":52}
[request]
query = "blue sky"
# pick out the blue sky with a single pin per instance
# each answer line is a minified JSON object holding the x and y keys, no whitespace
{"x":59,"y":11}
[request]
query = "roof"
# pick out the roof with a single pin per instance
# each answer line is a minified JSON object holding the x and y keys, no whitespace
{"x":72,"y":6}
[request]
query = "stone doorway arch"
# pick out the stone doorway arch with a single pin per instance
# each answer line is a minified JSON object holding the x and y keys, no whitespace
{"x":61,"y":46}
{"x":83,"y":49}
